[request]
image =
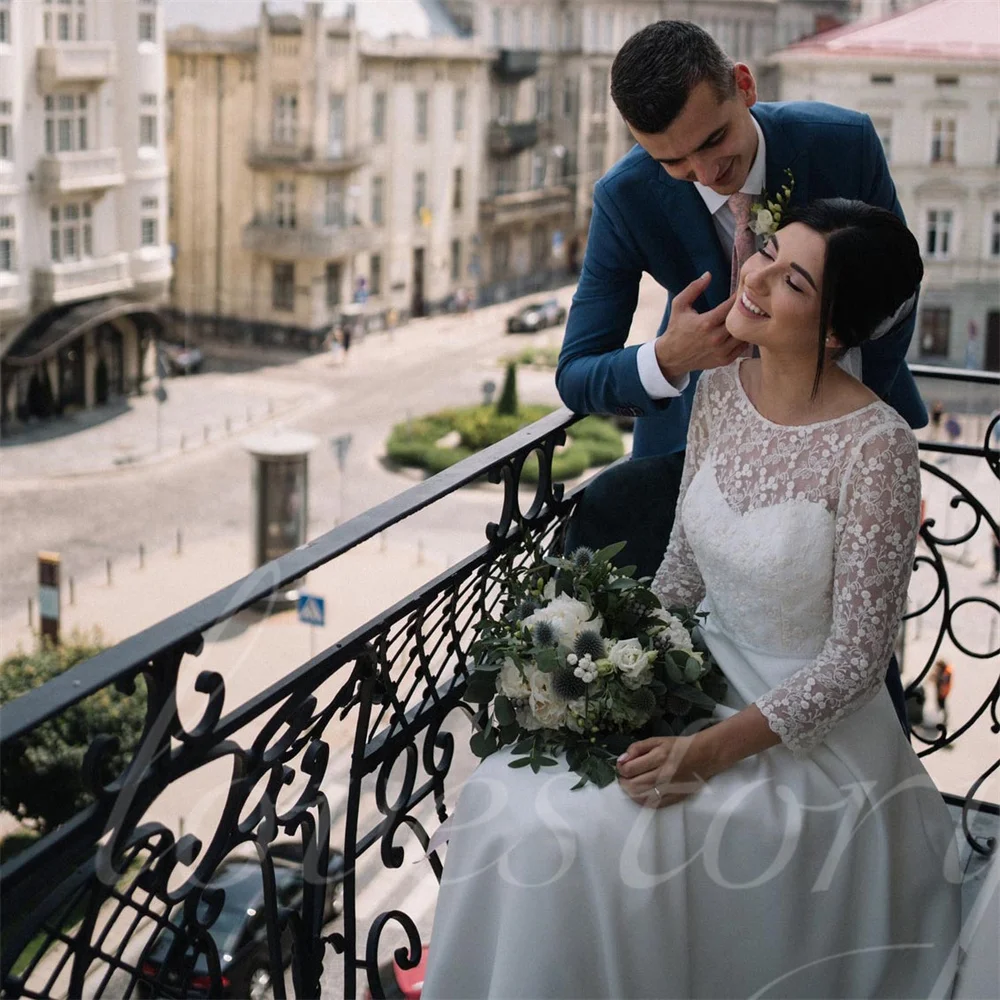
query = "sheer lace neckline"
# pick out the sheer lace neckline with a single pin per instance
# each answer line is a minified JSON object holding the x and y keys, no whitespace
{"x":747,"y":403}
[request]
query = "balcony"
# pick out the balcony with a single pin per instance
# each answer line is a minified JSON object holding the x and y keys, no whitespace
{"x":305,"y":159}
{"x":263,"y":236}
{"x":508,"y":138}
{"x":82,"y":279}
{"x":526,"y":206}
{"x":86,"y":170}
{"x":512,"y":65}
{"x":11,"y":295}
{"x":368,"y":738}
{"x":87,"y":63}
{"x":151,"y":266}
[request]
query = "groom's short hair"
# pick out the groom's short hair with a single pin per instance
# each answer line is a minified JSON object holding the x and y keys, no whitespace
{"x":656,"y":69}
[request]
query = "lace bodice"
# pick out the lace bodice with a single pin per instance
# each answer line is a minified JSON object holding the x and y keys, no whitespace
{"x":800,"y":540}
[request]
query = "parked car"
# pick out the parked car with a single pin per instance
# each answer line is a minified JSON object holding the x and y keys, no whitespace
{"x":536,"y":316}
{"x":239,"y":931}
{"x":402,"y":984}
{"x":179,"y":359}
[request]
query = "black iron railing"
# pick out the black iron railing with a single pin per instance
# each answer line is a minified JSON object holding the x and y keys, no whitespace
{"x":85,"y":906}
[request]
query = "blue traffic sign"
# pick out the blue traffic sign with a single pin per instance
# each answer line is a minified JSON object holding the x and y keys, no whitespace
{"x":312,"y":609}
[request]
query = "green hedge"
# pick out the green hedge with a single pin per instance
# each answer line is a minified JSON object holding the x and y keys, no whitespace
{"x":591,"y":441}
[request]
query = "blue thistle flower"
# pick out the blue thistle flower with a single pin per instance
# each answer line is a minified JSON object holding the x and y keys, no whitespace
{"x":589,"y":643}
{"x":582,"y":557}
{"x":644,"y":701}
{"x":567,"y":685}
{"x":545,"y":634}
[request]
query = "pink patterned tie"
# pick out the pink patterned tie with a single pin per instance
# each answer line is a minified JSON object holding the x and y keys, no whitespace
{"x":743,"y":239}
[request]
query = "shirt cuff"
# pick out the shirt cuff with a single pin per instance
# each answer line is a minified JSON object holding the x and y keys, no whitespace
{"x":653,"y":380}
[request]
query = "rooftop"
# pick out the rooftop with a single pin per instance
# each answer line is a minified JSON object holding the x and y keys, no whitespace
{"x":941,"y":29}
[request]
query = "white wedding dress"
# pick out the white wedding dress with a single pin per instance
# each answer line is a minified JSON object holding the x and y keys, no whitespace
{"x":825,"y":866}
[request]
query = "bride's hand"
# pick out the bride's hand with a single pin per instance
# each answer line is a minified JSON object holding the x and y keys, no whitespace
{"x":665,"y":769}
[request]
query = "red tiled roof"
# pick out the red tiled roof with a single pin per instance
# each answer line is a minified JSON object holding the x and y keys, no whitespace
{"x":941,"y":29}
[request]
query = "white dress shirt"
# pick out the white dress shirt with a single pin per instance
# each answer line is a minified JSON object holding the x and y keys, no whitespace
{"x":653,"y":380}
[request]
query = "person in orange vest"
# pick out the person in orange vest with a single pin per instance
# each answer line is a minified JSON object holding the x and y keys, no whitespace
{"x":942,"y":687}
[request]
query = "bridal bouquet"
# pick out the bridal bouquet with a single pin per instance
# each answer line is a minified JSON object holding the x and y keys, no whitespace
{"x":583,"y":660}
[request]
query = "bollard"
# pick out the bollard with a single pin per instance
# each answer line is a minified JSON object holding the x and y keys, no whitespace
{"x":180,"y":541}
{"x":72,"y":592}
{"x":31,"y":613}
{"x":229,"y":427}
{"x":206,"y":433}
{"x":183,"y":442}
{"x":382,"y":545}
{"x":420,"y":553}
{"x":270,"y":407}
{"x":108,"y":567}
{"x":142,"y":556}
{"x":249,"y":415}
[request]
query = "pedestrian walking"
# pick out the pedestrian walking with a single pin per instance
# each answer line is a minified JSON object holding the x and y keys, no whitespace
{"x":942,"y":688}
{"x":937,"y":413}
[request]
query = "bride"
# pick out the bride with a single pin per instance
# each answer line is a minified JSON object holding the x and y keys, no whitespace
{"x":796,"y":847}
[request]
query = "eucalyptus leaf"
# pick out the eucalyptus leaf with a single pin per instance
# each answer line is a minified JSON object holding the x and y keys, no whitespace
{"x":504,"y":711}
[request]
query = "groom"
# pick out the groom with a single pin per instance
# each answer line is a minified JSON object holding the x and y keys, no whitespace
{"x":678,"y":206}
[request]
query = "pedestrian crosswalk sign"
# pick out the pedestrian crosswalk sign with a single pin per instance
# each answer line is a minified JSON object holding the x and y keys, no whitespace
{"x":312,"y":609}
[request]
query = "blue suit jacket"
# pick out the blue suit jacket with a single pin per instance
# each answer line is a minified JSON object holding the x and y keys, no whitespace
{"x":643,"y":220}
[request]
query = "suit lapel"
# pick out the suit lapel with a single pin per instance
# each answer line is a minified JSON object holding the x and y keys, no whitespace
{"x":782,"y":156}
{"x":694,"y":233}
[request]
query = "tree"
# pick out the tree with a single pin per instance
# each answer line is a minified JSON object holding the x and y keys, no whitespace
{"x":40,"y":772}
{"x":507,"y":403}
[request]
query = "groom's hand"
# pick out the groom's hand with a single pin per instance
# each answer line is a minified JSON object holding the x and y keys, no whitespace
{"x":696,"y":341}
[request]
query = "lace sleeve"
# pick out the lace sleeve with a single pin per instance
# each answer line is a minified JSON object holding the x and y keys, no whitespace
{"x":678,"y":581}
{"x":877,"y":520}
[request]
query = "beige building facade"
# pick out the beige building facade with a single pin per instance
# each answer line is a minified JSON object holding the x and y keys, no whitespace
{"x":84,"y":258}
{"x":929,"y":77}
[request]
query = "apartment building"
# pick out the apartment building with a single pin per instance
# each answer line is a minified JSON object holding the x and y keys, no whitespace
{"x":84,"y":259}
{"x":317,"y":173}
{"x":929,"y":77}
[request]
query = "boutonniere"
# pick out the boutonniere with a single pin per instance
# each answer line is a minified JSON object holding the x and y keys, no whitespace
{"x":765,"y":214}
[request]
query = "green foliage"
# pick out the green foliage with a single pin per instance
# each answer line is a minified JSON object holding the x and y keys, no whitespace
{"x":536,"y":357}
{"x":40,"y":773}
{"x":507,"y":403}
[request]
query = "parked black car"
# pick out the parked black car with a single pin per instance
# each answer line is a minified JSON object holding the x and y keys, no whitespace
{"x":536,"y":316}
{"x":239,"y":931}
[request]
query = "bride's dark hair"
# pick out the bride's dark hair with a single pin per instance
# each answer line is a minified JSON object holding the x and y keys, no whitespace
{"x":873,"y":269}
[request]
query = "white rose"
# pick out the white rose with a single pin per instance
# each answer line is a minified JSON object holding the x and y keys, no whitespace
{"x":675,"y":633}
{"x":628,"y":656}
{"x":510,"y":681}
{"x":526,"y":720}
{"x":763,"y":225}
{"x":567,"y":616}
{"x":638,"y":680}
{"x":549,"y":710}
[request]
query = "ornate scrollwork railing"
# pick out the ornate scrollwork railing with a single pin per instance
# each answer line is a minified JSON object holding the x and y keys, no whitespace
{"x":84,"y":906}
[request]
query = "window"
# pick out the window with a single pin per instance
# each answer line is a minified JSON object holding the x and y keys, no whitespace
{"x":506,"y":103}
{"x":882,"y":79}
{"x":283,"y":286}
{"x":334,"y":213}
{"x":149,"y":222}
{"x":335,"y":138}
{"x":332,"y":285}
{"x":543,"y":100}
{"x":496,"y":38}
{"x":456,"y":191}
{"x":946,"y":81}
{"x":938,"y":242}
{"x":515,"y":28}
{"x":4,"y":26}
{"x":500,"y":252}
{"x":943,"y":141}
{"x":539,"y":246}
{"x":538,"y":165}
{"x":65,"y":123}
{"x":994,"y":247}
{"x":378,"y":201}
{"x":285,"y":121}
{"x":6,"y":131}
{"x":609,"y":32}
{"x":147,"y":121}
{"x":459,"y":111}
{"x":419,"y":193}
{"x":506,"y":177}
{"x":169,"y":112}
{"x":147,"y":26}
{"x":596,"y":160}
{"x":569,"y":30}
{"x":421,"y":127}
{"x":456,"y":260}
{"x":283,"y":204}
{"x":536,"y":29}
{"x":599,"y":91}
{"x":7,"y":245}
{"x":70,"y":232}
{"x":378,"y":116}
{"x":883,"y":129}
{"x":935,"y":331}
{"x":569,"y":97}
{"x":375,"y":277}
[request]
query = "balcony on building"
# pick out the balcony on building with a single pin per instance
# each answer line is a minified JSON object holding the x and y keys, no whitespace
{"x":11,"y":295}
{"x":525,"y":206}
{"x":83,"y":170}
{"x":76,"y":62}
{"x":151,"y":266}
{"x":68,"y":281}
{"x":508,"y":138}
{"x":264,"y":236}
{"x":331,"y":159}
{"x":512,"y":65}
